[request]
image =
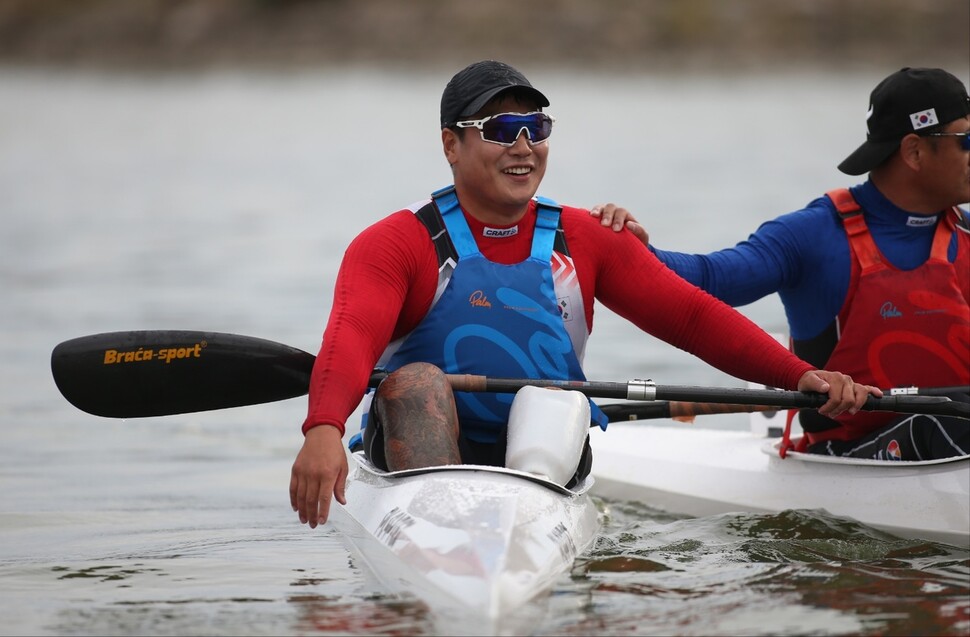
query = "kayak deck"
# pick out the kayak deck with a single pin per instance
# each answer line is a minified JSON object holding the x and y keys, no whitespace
{"x":480,"y":540}
{"x":708,"y":472}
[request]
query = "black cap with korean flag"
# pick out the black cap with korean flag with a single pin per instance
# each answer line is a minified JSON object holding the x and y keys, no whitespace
{"x":908,"y":101}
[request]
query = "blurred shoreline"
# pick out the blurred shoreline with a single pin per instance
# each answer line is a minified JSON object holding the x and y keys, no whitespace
{"x":621,"y":35}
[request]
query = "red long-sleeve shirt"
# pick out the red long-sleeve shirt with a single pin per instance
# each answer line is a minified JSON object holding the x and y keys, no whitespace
{"x":389,"y":273}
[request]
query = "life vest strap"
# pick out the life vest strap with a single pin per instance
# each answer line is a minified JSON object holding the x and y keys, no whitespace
{"x":860,"y":241}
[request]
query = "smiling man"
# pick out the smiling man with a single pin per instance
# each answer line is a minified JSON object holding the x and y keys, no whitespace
{"x":486,"y":278}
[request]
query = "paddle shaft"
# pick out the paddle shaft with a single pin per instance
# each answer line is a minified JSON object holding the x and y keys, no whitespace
{"x":675,"y":409}
{"x":646,"y":390}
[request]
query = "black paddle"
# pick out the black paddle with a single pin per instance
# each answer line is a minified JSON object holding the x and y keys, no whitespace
{"x":159,"y":373}
{"x":156,"y":373}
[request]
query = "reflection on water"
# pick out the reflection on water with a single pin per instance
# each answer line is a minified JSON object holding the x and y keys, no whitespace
{"x":796,"y":572}
{"x":223,"y":201}
{"x":371,"y":616}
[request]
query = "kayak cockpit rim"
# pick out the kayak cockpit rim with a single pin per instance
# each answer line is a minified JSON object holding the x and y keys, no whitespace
{"x":772,"y":447}
{"x":582,"y":487}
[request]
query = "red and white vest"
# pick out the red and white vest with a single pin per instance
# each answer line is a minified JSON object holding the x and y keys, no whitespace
{"x":900,"y":328}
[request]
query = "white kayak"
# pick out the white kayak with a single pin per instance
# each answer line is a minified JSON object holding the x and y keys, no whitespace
{"x":696,"y":471}
{"x":481,"y":541}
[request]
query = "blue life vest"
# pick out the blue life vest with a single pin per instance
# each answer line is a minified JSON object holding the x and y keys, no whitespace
{"x":492,"y":319}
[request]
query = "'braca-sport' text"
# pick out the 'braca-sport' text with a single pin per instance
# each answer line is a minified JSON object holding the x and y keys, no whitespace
{"x":165,"y":354}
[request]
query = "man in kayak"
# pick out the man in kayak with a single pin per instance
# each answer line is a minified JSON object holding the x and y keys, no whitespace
{"x":484,"y":278}
{"x":875,"y":279}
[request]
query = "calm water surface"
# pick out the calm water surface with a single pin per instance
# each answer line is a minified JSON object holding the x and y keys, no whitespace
{"x":223,"y":201}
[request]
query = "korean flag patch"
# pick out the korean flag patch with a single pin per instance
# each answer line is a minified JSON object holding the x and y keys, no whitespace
{"x":923,"y":119}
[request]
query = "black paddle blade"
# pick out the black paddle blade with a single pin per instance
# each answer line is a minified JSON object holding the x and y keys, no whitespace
{"x":158,"y":373}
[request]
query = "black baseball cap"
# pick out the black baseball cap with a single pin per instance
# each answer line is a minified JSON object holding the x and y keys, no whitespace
{"x":473,"y":86}
{"x":907,"y":101}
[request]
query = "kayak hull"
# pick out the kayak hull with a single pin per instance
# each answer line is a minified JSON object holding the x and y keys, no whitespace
{"x":708,"y":472}
{"x":481,"y":541}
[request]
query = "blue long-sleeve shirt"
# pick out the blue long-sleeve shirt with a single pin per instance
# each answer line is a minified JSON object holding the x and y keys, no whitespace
{"x":804,"y":257}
